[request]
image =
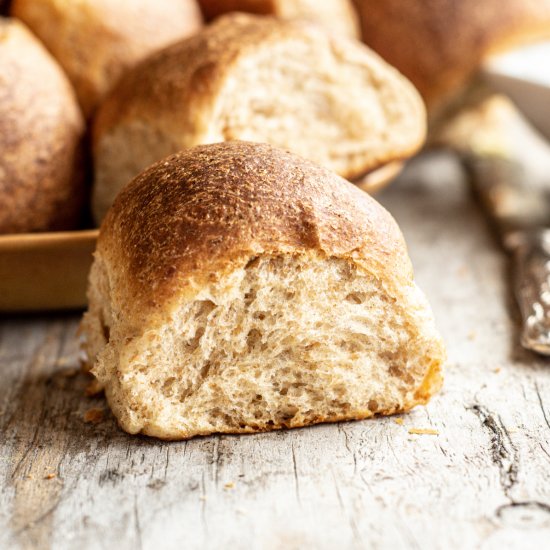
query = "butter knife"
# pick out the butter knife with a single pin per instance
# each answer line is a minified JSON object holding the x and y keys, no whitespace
{"x":508,"y":164}
{"x":521,"y":214}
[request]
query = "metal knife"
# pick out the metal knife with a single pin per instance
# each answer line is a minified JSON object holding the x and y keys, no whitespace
{"x":509,"y":167}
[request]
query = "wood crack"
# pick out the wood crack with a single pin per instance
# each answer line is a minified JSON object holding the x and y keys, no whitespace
{"x":349,"y":517}
{"x":502,"y":451}
{"x":542,"y":405}
{"x":216,"y":460}
{"x":527,"y":505}
{"x":203,"y":506}
{"x":343,"y":431}
{"x":31,"y":447}
{"x":505,"y":457}
{"x":137,"y":525}
{"x":544,"y":450}
{"x":167,"y":460}
{"x":296,"y":482}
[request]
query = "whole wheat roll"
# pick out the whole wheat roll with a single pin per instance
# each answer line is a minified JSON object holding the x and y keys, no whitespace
{"x":41,"y":130}
{"x":238,"y":288}
{"x":96,"y":41}
{"x":439,"y":44}
{"x":247,"y":77}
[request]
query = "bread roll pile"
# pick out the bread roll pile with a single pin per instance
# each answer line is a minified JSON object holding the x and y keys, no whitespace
{"x":240,"y":284}
{"x":147,"y":89}
{"x":272,"y":77}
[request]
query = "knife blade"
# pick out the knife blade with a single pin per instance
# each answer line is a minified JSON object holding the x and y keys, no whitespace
{"x":508,"y":165}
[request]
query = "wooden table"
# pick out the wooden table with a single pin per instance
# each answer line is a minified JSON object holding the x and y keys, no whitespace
{"x":483,"y":482}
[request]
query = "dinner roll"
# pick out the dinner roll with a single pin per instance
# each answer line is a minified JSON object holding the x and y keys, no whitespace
{"x":41,"y":131}
{"x":95,"y":41}
{"x":261,"y":79}
{"x":338,"y":16}
{"x":439,"y":44}
{"x":239,"y":288}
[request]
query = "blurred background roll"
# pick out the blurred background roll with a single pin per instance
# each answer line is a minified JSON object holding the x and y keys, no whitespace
{"x":95,"y":41}
{"x":41,"y":129}
{"x":439,"y":44}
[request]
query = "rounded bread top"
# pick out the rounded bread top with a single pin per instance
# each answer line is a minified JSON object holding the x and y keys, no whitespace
{"x":96,"y":41}
{"x":41,"y":127}
{"x":193,"y":72}
{"x":438,"y":44}
{"x":206,"y":211}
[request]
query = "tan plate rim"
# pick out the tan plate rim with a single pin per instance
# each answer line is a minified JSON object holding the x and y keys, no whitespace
{"x":376,"y":180}
{"x":45,"y":271}
{"x":47,"y":238}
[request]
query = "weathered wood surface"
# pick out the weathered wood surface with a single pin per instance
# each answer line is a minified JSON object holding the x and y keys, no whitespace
{"x":483,"y":482}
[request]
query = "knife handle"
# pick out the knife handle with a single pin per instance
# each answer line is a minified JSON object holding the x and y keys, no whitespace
{"x":531,"y":256}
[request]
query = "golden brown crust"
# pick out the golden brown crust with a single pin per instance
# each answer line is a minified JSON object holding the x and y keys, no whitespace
{"x":41,"y":131}
{"x":201,"y":212}
{"x":95,"y":41}
{"x":334,"y":15}
{"x":438,"y":44}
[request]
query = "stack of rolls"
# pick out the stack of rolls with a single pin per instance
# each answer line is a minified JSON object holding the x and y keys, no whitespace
{"x":307,"y":86}
{"x":240,"y":282}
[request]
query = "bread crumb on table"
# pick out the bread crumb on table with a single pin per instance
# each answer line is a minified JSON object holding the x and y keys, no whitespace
{"x":229,"y":485}
{"x":423,"y":431}
{"x":94,"y":416}
{"x":62,"y":361}
{"x":69,"y":373}
{"x":398,"y":421}
{"x":93,"y":388}
{"x":50,"y":476}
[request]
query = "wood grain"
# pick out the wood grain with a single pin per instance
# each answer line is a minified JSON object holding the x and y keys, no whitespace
{"x":482,"y":482}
